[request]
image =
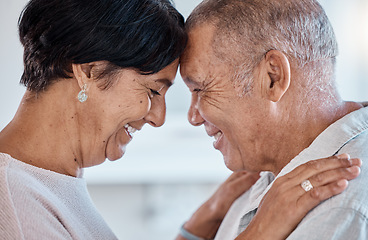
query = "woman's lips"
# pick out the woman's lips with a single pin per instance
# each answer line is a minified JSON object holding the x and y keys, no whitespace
{"x":130,"y":130}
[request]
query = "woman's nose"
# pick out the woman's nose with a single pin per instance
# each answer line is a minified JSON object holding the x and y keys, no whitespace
{"x":157,"y":114}
{"x":194,"y":116}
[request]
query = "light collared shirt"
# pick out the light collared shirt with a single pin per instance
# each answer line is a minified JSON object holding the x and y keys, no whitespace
{"x":344,"y":216}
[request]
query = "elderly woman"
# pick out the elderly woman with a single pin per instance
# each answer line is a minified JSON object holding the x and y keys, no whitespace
{"x":96,"y":71}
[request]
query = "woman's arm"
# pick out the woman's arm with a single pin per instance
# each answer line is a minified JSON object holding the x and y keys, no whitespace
{"x":205,"y":222}
{"x":283,"y":207}
{"x":286,"y":203}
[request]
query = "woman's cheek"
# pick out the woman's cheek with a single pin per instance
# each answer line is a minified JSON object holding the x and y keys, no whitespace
{"x":144,"y":106}
{"x":149,"y":103}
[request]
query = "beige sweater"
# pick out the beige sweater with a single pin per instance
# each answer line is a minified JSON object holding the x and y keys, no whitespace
{"x":39,"y":204}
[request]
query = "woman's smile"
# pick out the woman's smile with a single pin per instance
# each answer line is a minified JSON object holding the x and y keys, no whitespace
{"x":130,"y":130}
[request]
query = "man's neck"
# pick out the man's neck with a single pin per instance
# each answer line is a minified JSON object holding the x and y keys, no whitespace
{"x":307,"y":126}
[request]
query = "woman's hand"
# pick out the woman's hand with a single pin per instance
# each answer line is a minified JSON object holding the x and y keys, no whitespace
{"x":286,"y":203}
{"x":206,"y":220}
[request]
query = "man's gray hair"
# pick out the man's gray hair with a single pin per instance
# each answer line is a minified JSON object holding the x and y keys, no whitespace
{"x":247,"y":29}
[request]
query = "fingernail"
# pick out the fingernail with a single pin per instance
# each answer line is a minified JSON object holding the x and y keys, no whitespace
{"x":360,"y":162}
{"x":344,"y":155}
{"x":354,"y":169}
{"x":357,"y":161}
{"x":342,"y":182}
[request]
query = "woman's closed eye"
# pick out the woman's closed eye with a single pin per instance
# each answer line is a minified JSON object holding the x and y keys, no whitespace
{"x":154,"y":92}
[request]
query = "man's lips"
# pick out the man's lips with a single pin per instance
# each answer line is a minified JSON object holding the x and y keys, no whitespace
{"x":217,"y":136}
{"x":216,"y":133}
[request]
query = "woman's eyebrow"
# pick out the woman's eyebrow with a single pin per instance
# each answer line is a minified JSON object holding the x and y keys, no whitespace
{"x":165,"y":81}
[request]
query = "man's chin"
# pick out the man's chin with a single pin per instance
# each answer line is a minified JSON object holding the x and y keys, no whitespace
{"x":232,"y":165}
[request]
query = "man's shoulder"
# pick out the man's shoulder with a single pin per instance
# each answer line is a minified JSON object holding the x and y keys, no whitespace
{"x":354,"y":198}
{"x":357,"y":191}
{"x":357,"y":146}
{"x":356,"y":195}
{"x":344,"y":216}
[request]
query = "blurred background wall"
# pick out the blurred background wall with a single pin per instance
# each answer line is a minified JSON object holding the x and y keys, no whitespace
{"x":168,"y":172}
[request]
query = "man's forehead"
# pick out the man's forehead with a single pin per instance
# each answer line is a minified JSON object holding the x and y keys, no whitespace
{"x":198,"y":51}
{"x":200,"y":36}
{"x":190,"y":71}
{"x":198,"y":62}
{"x":199,"y":73}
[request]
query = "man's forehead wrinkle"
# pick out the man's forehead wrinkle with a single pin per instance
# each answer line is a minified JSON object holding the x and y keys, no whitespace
{"x":198,"y":60}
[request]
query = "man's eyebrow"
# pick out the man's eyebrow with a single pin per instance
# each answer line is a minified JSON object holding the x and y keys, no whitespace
{"x":165,"y":81}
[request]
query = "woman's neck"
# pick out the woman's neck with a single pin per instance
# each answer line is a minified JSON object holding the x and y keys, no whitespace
{"x":43,"y":133}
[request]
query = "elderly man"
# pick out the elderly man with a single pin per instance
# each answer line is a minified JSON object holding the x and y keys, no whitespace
{"x":261,"y":73}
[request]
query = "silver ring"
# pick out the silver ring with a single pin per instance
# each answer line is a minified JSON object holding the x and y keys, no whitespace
{"x":306,"y":185}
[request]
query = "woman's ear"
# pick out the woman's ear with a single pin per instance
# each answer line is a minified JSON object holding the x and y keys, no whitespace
{"x":82,"y":72}
{"x":277,"y":74}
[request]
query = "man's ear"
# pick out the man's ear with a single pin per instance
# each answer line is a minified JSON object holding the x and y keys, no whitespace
{"x":276,"y":75}
{"x":82,"y":72}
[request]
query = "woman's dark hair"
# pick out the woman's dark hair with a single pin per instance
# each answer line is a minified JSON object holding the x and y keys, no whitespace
{"x":146,"y":35}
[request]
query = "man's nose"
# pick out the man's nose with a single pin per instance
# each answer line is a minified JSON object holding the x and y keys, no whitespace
{"x":194,"y":116}
{"x":157,"y":114}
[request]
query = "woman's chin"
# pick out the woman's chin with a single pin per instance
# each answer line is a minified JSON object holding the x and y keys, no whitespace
{"x":112,"y":159}
{"x":116,"y":155}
